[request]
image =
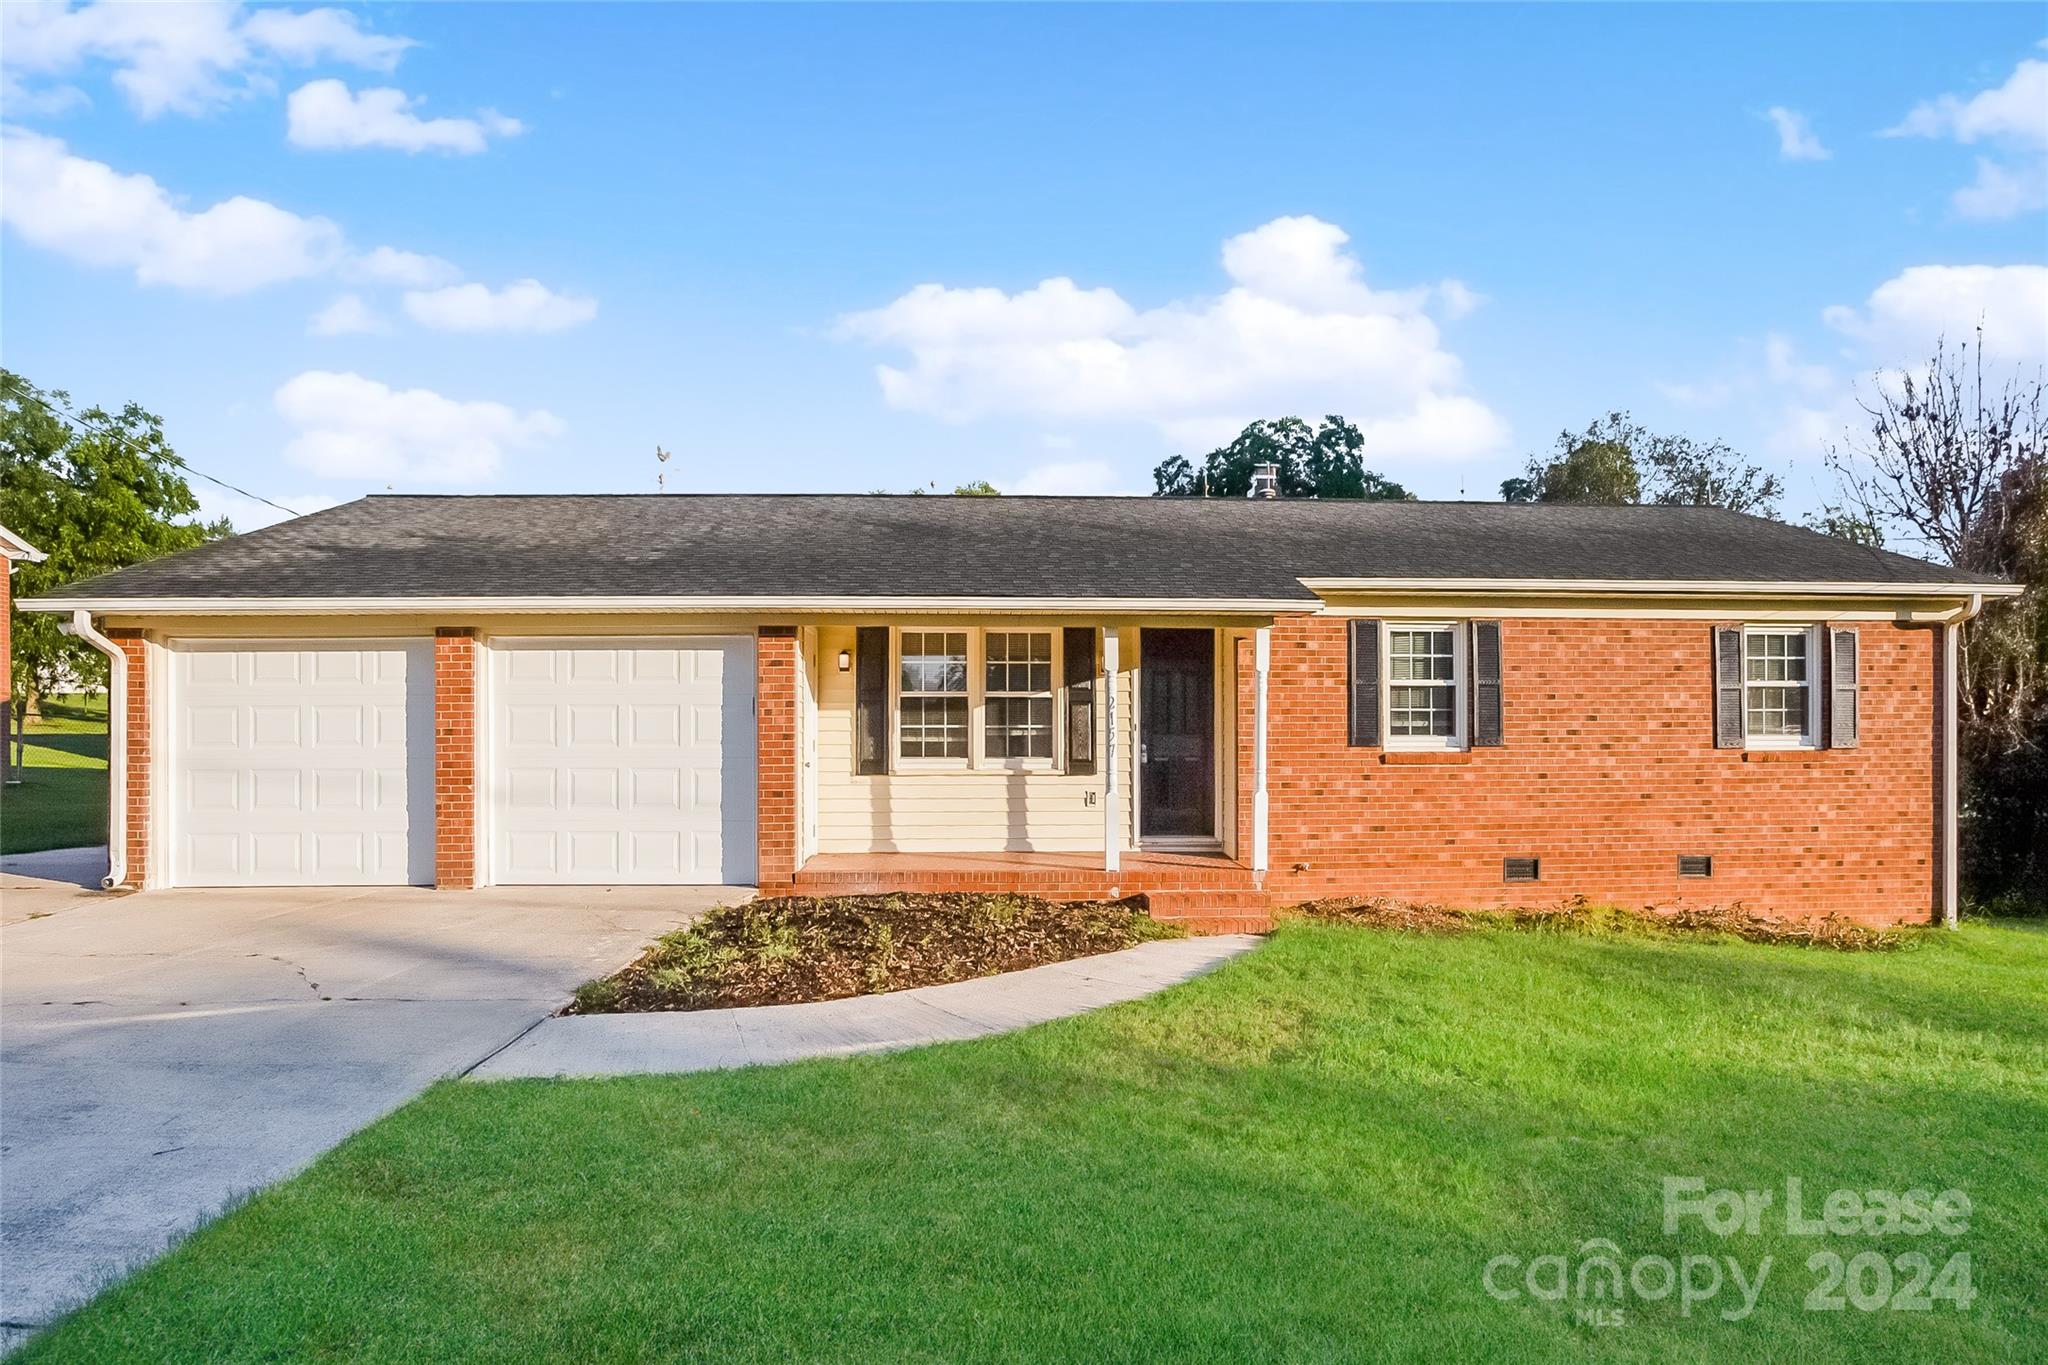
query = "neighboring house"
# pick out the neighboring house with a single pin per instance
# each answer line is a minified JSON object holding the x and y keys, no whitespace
{"x":12,"y":548}
{"x":1227,"y":705}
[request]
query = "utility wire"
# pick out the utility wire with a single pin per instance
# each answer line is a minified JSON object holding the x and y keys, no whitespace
{"x":29,"y":391}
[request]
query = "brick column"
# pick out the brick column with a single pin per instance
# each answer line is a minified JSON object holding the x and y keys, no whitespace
{"x":135,"y":805}
{"x":775,"y":820}
{"x":1244,"y":726}
{"x":457,"y":657}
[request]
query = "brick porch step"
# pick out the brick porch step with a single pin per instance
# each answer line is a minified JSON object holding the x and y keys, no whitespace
{"x":1236,"y":911}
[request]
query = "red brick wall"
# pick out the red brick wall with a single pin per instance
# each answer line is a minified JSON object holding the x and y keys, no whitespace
{"x":457,"y":657}
{"x":775,"y":702}
{"x":139,"y":747}
{"x":1608,"y":774}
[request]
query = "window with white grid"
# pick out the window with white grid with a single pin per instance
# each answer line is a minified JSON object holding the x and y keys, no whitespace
{"x":931,"y":708}
{"x":1777,"y":686}
{"x":1422,"y":687}
{"x":1017,"y":695}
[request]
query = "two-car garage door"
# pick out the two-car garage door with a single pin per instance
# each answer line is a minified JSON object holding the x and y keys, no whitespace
{"x":311,"y":763}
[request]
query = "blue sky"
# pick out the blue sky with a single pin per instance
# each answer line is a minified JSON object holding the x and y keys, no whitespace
{"x":808,"y":249}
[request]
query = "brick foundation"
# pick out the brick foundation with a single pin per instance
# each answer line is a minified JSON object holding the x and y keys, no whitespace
{"x":457,"y":661}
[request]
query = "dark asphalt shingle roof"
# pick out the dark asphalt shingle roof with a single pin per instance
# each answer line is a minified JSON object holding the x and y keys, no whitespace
{"x":574,"y":545}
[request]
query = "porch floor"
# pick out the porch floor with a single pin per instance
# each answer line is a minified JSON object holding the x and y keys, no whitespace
{"x":1209,"y":892}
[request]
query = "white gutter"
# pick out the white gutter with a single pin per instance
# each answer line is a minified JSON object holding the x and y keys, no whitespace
{"x":1951,"y":706}
{"x":1628,"y":587}
{"x":81,"y":626}
{"x":726,"y":606}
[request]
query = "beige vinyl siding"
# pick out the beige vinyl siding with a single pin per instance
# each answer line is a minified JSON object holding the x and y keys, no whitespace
{"x":959,"y":811}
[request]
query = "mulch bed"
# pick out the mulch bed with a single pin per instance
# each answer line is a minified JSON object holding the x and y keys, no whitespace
{"x":1583,"y":916}
{"x":797,"y":948}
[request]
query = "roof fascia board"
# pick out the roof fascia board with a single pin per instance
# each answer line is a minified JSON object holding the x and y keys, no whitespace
{"x":725,"y":606}
{"x":1634,"y":588}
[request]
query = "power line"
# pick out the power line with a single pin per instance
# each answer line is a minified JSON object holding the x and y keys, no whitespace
{"x":28,"y":390}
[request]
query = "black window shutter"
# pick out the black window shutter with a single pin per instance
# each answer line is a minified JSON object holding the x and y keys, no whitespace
{"x":1844,"y":668}
{"x":1486,"y":726}
{"x":1078,"y":646}
{"x":1365,"y":684}
{"x":871,"y":700}
{"x":1730,"y":725}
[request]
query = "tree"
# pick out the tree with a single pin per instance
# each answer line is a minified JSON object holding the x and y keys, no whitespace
{"x":99,"y":494}
{"x":1325,"y":461}
{"x":1843,"y":525}
{"x":1956,"y":464}
{"x":1617,"y":460}
{"x":977,"y":488}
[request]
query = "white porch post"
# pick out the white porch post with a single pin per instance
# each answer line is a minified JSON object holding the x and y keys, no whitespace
{"x":1262,"y":657}
{"x":1112,"y":850}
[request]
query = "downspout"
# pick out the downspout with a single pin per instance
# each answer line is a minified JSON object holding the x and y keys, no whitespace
{"x":81,"y":626}
{"x":1950,"y":790}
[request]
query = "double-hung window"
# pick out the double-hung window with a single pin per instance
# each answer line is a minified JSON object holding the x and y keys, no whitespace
{"x":1780,"y":702}
{"x":1017,"y":696}
{"x":932,"y":695}
{"x":1424,"y":679}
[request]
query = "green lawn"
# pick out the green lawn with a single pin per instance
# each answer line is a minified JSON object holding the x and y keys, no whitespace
{"x":1313,"y":1153}
{"x":61,"y":800}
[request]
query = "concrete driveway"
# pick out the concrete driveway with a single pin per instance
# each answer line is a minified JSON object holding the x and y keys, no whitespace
{"x":164,"y":1054}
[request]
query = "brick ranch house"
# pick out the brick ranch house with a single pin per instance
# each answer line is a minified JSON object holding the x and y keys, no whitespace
{"x":1226,"y":705}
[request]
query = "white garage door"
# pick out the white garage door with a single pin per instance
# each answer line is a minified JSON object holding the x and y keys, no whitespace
{"x":299,"y":764}
{"x":622,"y":761}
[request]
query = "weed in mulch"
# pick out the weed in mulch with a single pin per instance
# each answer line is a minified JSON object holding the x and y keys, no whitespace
{"x":797,"y":948}
{"x":1582,"y":916}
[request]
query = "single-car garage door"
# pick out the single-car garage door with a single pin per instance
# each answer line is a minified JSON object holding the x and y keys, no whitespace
{"x":296,"y":763}
{"x":622,"y":761}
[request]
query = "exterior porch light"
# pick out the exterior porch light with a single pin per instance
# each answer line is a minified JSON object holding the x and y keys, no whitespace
{"x":846,"y":661}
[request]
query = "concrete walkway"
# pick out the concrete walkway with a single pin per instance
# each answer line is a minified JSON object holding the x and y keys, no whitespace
{"x":709,"y":1040}
{"x":36,"y":884}
{"x":164,"y":1054}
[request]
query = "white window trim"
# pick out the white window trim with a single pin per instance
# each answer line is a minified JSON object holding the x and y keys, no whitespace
{"x":977,"y":687}
{"x":1456,"y":740}
{"x":1811,"y":739}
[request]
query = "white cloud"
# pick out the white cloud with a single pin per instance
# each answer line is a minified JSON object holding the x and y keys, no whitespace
{"x":388,"y":265}
{"x":1902,"y":318}
{"x":2013,"y":116}
{"x":309,"y":36}
{"x":327,"y":115}
{"x":522,"y":306}
{"x":2016,"y":110}
{"x":1094,"y":478}
{"x":1784,"y":367}
{"x":356,"y":428}
{"x":184,"y":58}
{"x":1456,"y":299}
{"x":1299,"y":330}
{"x":2000,"y":192}
{"x":89,"y":212}
{"x":346,"y":316}
{"x":1796,"y":138}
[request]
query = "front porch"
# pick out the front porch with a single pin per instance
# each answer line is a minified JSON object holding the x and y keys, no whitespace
{"x":1209,"y":893}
